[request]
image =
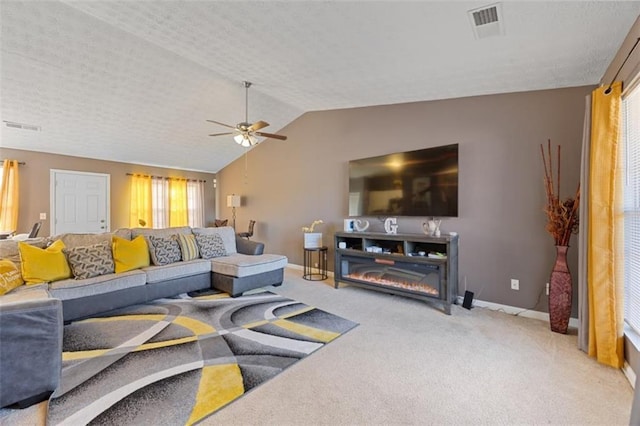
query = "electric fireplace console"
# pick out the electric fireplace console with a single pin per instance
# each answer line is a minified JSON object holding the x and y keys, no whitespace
{"x":412,"y":265}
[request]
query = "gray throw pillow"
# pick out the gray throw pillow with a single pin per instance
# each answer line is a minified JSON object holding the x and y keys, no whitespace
{"x":164,"y":250}
{"x":90,"y":261}
{"x":210,"y":246}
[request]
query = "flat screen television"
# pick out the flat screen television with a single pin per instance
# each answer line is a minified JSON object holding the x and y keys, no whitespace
{"x":413,"y":183}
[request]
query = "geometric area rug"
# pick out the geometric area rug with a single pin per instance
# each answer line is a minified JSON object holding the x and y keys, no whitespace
{"x":177,"y":360}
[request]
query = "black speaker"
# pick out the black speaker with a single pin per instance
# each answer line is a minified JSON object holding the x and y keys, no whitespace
{"x":468,"y":299}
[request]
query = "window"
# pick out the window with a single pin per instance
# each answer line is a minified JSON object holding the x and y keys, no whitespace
{"x":160,"y":202}
{"x":195,"y":203}
{"x":631,"y":168}
{"x":167,"y":198}
{"x":174,"y":202}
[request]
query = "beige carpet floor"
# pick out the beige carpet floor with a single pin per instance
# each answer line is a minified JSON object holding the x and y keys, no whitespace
{"x":409,"y":363}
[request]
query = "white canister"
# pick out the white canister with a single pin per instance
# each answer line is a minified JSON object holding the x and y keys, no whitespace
{"x":312,"y":239}
{"x":348,"y":225}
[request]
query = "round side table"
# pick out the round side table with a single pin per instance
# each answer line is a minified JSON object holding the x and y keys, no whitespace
{"x":311,"y":272}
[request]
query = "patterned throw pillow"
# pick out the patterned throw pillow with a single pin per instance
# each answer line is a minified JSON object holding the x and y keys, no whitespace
{"x":90,"y":261}
{"x":188,"y":246}
{"x":210,"y":246}
{"x":164,"y":250}
{"x":10,"y":276}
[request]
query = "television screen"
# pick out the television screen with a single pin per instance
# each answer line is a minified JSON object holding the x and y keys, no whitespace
{"x":414,"y":183}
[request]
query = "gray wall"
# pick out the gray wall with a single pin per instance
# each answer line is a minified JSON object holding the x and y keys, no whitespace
{"x":34,"y":184}
{"x":287,"y":184}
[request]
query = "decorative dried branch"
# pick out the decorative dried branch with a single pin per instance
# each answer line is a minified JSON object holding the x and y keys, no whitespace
{"x":313,"y":225}
{"x":562,"y":216}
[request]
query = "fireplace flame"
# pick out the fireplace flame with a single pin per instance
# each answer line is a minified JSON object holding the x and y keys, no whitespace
{"x":406,"y":285}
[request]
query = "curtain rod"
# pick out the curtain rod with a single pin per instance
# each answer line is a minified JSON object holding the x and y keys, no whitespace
{"x":606,"y":92}
{"x":167,"y":178}
{"x":20,"y":163}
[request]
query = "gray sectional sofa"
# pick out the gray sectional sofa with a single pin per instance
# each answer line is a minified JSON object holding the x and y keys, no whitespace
{"x":244,"y":267}
{"x":27,"y":376}
{"x":30,"y":346}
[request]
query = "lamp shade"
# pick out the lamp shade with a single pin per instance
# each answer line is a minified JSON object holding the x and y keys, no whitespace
{"x":233,"y":200}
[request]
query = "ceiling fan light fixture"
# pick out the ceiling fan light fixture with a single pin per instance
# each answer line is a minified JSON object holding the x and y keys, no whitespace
{"x":245,"y":140}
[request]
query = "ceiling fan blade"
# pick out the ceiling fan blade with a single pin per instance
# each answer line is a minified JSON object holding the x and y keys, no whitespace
{"x":271,"y":135}
{"x":222,"y":124}
{"x":258,"y":125}
{"x":221,"y":134}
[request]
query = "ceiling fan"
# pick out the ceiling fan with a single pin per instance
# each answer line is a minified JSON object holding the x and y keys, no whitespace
{"x":245,"y":132}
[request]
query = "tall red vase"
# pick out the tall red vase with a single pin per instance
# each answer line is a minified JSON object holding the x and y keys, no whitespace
{"x":560,"y":292}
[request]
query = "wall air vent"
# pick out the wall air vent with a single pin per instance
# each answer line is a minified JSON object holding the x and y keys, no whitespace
{"x":22,"y":126}
{"x":486,"y":21}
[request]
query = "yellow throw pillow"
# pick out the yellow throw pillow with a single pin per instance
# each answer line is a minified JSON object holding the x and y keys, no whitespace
{"x":10,"y":277}
{"x":129,"y":255}
{"x":43,"y":265}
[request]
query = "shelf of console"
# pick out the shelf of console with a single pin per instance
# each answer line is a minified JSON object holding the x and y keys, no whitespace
{"x":399,"y":264}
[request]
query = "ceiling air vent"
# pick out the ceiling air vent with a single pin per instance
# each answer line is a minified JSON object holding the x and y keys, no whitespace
{"x":21,"y":126}
{"x":486,"y":21}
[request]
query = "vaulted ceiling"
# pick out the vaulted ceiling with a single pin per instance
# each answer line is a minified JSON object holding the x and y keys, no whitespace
{"x":134,"y":81}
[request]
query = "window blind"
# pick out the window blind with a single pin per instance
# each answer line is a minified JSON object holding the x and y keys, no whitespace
{"x":631,"y":169}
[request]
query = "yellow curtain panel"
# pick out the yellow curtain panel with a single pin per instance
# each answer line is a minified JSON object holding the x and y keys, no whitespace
{"x":141,"y":202}
{"x":9,"y":199}
{"x":178,"y":207}
{"x":605,"y":224}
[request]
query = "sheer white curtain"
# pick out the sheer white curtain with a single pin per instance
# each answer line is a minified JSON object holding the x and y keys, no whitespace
{"x":160,"y":196}
{"x":195,"y":202}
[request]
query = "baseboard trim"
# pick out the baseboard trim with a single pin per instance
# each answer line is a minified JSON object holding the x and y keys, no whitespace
{"x":301,"y":268}
{"x":514,"y":310}
{"x":294,"y":266}
{"x":629,"y":374}
{"x":632,"y":344}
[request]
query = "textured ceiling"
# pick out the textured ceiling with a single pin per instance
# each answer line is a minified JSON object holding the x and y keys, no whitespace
{"x":135,"y":81}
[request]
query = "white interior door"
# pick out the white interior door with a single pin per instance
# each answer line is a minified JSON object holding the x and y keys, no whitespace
{"x":79,"y":202}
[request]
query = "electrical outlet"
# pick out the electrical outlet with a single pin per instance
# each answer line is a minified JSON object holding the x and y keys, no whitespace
{"x":315,"y":264}
{"x":547,"y":289}
{"x":43,"y":216}
{"x":515,"y":284}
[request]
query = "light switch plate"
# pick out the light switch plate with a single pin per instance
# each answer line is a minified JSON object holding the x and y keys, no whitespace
{"x":515,"y":284}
